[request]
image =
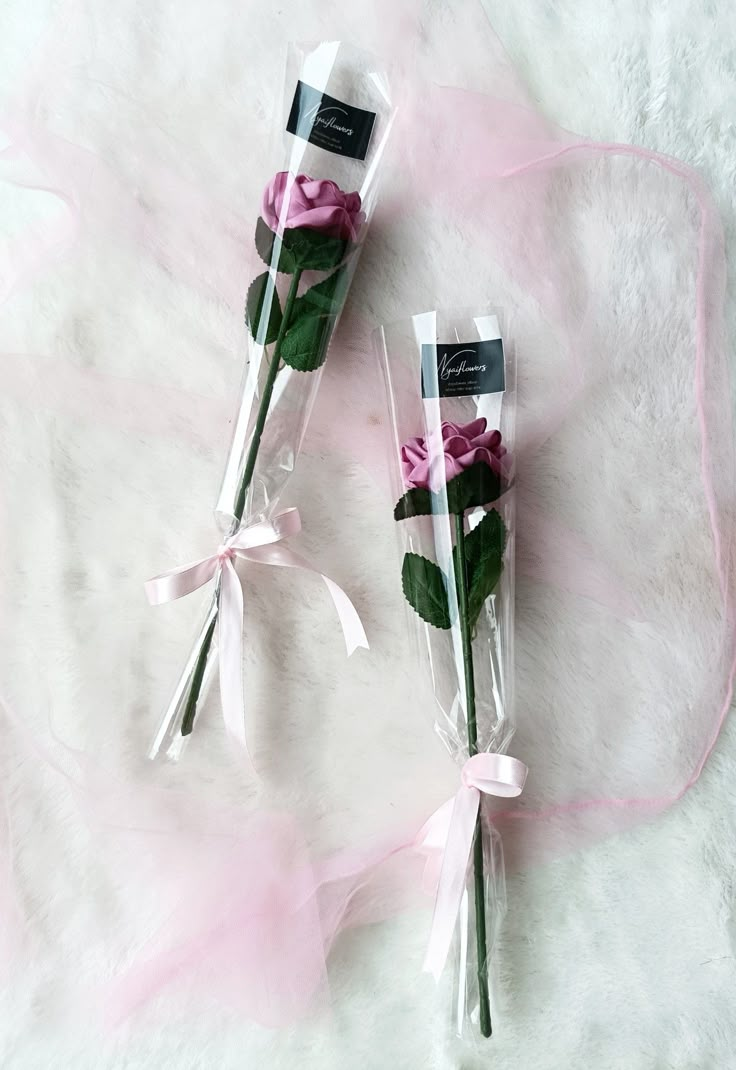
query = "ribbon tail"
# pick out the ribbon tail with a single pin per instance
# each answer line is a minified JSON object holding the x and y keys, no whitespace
{"x":281,"y":556}
{"x":452,"y":878}
{"x":430,"y":841}
{"x":231,"y":653}
{"x":181,"y":581}
{"x":352,"y":625}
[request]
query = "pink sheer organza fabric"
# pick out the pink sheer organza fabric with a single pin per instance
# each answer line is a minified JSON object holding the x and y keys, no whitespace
{"x":255,"y":924}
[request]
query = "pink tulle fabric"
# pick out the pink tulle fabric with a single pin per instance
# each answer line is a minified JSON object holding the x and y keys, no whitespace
{"x":254,"y":917}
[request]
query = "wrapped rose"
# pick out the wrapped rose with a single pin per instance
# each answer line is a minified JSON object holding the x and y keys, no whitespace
{"x":308,"y":236}
{"x":456,"y":518}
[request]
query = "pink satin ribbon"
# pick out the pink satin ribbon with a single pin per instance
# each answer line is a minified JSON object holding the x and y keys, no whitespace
{"x":450,"y":831}
{"x":259,"y":543}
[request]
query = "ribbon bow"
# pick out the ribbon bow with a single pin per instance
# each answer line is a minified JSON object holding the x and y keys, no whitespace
{"x":260,"y":543}
{"x":451,"y":829}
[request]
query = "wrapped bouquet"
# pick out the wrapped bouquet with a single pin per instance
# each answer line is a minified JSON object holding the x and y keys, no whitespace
{"x":313,"y":222}
{"x":451,"y":397}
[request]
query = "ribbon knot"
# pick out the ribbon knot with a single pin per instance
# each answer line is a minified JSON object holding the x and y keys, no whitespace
{"x":259,"y":543}
{"x":466,"y":774}
{"x":451,"y":829}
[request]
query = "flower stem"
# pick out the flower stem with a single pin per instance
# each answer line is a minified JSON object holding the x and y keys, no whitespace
{"x":190,"y":710}
{"x":481,"y":940}
{"x":255,"y":442}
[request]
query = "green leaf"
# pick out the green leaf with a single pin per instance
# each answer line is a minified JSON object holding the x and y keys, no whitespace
{"x":425,"y":590}
{"x":326,"y":296}
{"x":484,"y":550}
{"x":263,"y":310}
{"x":313,"y":250}
{"x":477,"y":485}
{"x":304,"y":346}
{"x":314,"y":316}
{"x":416,"y":502}
{"x":474,"y":486}
{"x":299,"y":247}
{"x":280,"y":259}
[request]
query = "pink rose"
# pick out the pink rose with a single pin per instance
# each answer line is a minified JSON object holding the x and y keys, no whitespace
{"x":316,"y":203}
{"x":462,"y":445}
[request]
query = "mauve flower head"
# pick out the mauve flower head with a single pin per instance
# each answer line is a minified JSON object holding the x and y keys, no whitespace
{"x":462,"y":445}
{"x":317,"y":203}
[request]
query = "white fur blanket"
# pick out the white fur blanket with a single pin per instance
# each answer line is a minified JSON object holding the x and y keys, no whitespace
{"x":119,"y":375}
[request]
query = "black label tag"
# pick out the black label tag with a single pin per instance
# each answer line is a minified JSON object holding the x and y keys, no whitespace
{"x":462,"y":369}
{"x":330,"y":124}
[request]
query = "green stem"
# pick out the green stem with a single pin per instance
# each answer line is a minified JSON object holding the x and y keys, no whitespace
{"x":190,"y":710}
{"x":481,"y":939}
{"x":268,"y":386}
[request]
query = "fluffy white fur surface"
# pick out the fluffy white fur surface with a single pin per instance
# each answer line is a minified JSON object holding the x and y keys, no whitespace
{"x":618,"y":957}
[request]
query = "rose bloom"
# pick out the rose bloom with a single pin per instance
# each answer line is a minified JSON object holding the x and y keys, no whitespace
{"x":316,"y":203}
{"x":462,"y":444}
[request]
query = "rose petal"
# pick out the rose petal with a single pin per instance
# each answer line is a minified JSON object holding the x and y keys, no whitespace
{"x":456,"y":446}
{"x":453,"y":467}
{"x":475,"y":427}
{"x":420,"y":475}
{"x":414,"y":451}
